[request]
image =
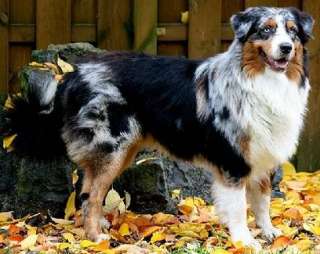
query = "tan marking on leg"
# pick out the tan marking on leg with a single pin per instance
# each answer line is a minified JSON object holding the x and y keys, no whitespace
{"x":265,"y":185}
{"x":231,"y":207}
{"x":259,"y":195}
{"x":87,"y":180}
{"x":109,"y":169}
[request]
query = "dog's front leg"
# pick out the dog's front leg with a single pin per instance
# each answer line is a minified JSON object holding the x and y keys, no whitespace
{"x":230,"y":203}
{"x":259,"y":195}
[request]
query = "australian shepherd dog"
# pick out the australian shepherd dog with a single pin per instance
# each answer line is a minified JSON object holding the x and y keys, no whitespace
{"x":238,"y":114}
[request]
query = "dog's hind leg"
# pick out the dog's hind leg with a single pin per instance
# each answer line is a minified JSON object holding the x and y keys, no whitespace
{"x":230,"y":202}
{"x":259,"y":195}
{"x":109,"y":169}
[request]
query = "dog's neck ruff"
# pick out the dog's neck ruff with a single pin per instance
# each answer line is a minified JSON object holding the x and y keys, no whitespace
{"x":266,"y":111}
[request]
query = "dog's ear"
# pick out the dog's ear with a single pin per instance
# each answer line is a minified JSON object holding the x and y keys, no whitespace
{"x":242,"y":23}
{"x":305,"y":24}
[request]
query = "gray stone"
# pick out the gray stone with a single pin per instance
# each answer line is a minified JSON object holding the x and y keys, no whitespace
{"x":151,"y":183}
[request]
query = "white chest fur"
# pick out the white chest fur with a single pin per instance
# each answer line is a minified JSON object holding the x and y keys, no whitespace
{"x":277,"y":106}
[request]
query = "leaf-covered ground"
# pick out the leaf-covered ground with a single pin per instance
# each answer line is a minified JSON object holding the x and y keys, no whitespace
{"x":194,"y":230}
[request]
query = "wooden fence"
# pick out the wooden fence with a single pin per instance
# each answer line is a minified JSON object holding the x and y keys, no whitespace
{"x":153,"y":26}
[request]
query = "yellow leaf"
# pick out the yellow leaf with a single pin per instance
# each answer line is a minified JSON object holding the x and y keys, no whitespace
{"x":71,"y":206}
{"x":158,"y":236}
{"x":62,"y":221}
{"x":53,"y":67}
{"x":175,"y":194}
{"x":102,"y":246}
{"x":63,"y":246}
{"x":121,"y":207}
{"x":238,"y":244}
{"x":109,"y":252}
{"x":296,"y":185}
{"x":304,"y":244}
{"x":288,"y":168}
{"x":149,"y":230}
{"x":75,"y":177}
{"x":293,"y":214}
{"x":124,"y":229}
{"x":112,"y":200}
{"x":31,"y":230}
{"x":29,"y":242}
{"x":86,"y":244}
{"x":9,"y":104}
{"x":37,"y":65}
{"x":7,"y":142}
{"x":69,"y":237}
{"x":6,"y":216}
{"x":287,"y":231}
{"x":219,"y":251}
{"x":312,"y":228}
{"x":185,"y":17}
{"x":65,"y":67}
{"x":127,"y":197}
{"x":58,"y":77}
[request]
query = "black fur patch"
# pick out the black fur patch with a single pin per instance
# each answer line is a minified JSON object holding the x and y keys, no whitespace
{"x":84,"y":197}
{"x":38,"y":135}
{"x":105,"y":147}
{"x":305,"y":24}
{"x":161,"y":92}
{"x":118,"y":118}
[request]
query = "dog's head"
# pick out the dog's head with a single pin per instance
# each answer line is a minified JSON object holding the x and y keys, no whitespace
{"x":271,"y":37}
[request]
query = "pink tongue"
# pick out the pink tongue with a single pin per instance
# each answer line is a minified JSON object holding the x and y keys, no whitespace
{"x":280,"y":64}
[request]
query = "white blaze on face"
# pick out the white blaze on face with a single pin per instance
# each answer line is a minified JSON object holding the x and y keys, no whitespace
{"x":281,"y":36}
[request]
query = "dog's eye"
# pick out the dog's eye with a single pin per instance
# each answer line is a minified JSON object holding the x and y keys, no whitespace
{"x":293,"y":30}
{"x":267,"y":29}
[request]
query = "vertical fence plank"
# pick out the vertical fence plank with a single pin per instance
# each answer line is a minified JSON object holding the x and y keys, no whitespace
{"x":170,"y":11}
{"x":114,"y":25}
{"x":145,"y":19}
{"x":22,"y":13}
{"x":251,"y":3}
{"x":308,"y":157}
{"x":53,"y":22}
{"x":4,"y":45}
{"x":204,"y":28}
{"x":84,"y":11}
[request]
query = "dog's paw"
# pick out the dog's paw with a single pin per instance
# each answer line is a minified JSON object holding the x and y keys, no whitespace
{"x":270,"y":233}
{"x":251,"y":243}
{"x":245,"y":237}
{"x":254,"y":244}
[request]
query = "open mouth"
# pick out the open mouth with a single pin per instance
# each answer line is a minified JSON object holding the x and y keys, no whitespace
{"x":280,"y":64}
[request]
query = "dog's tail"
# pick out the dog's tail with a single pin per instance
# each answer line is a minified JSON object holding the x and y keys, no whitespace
{"x":33,"y":119}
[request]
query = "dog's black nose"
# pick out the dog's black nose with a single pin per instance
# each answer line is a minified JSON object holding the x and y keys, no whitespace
{"x":285,"y":48}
